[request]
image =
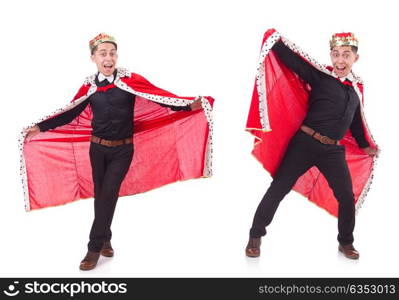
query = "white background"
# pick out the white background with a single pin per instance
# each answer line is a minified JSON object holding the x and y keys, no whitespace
{"x":197,"y":228}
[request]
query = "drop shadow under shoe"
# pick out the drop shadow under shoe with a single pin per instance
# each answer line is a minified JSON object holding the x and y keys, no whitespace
{"x":89,"y":262}
{"x":107,"y":249}
{"x":253,"y":247}
{"x":349,"y":251}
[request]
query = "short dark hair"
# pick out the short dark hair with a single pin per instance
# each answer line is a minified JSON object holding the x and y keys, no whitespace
{"x":354,"y":49}
{"x":95,"y":48}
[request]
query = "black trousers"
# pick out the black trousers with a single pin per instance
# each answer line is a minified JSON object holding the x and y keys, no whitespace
{"x":110,"y":166}
{"x":302,"y":153}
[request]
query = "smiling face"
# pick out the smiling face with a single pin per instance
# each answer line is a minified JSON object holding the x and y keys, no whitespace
{"x":105,"y":57}
{"x":342,"y":58}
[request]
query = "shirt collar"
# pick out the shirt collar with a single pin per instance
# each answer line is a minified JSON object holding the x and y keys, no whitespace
{"x":102,"y":77}
{"x":347,"y":77}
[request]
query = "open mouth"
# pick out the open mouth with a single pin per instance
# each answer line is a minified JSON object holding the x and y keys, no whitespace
{"x":108,"y":66}
{"x":340,"y":69}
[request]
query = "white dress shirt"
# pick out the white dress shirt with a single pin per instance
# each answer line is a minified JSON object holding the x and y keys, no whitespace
{"x":102,"y":77}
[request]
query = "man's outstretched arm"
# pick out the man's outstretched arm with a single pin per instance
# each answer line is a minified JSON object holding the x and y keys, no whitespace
{"x":296,"y":63}
{"x":59,"y":120}
{"x":357,"y":131}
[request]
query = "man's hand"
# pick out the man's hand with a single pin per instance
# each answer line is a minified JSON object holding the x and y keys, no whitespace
{"x":370,"y":151}
{"x":196,"y":104}
{"x":31,"y":132}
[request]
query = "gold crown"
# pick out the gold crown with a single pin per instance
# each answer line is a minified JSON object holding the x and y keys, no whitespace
{"x":99,"y":39}
{"x":343,"y":39}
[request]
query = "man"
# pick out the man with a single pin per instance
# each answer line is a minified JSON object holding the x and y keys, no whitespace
{"x":110,"y":96}
{"x":333,"y":109}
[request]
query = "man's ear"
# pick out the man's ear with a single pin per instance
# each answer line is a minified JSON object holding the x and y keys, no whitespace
{"x":357,"y":57}
{"x":92,"y":57}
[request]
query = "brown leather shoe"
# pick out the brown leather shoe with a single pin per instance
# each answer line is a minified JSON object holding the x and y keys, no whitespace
{"x":90,"y":261}
{"x":349,"y":251}
{"x":107,"y":249}
{"x":253,"y":247}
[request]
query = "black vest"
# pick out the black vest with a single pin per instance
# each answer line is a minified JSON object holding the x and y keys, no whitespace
{"x":112,"y":112}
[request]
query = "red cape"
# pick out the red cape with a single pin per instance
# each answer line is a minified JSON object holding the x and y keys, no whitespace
{"x":169,"y":146}
{"x":279,"y":105}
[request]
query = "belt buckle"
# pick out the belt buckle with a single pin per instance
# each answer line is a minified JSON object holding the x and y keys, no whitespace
{"x":106,"y":143}
{"x":324,"y":139}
